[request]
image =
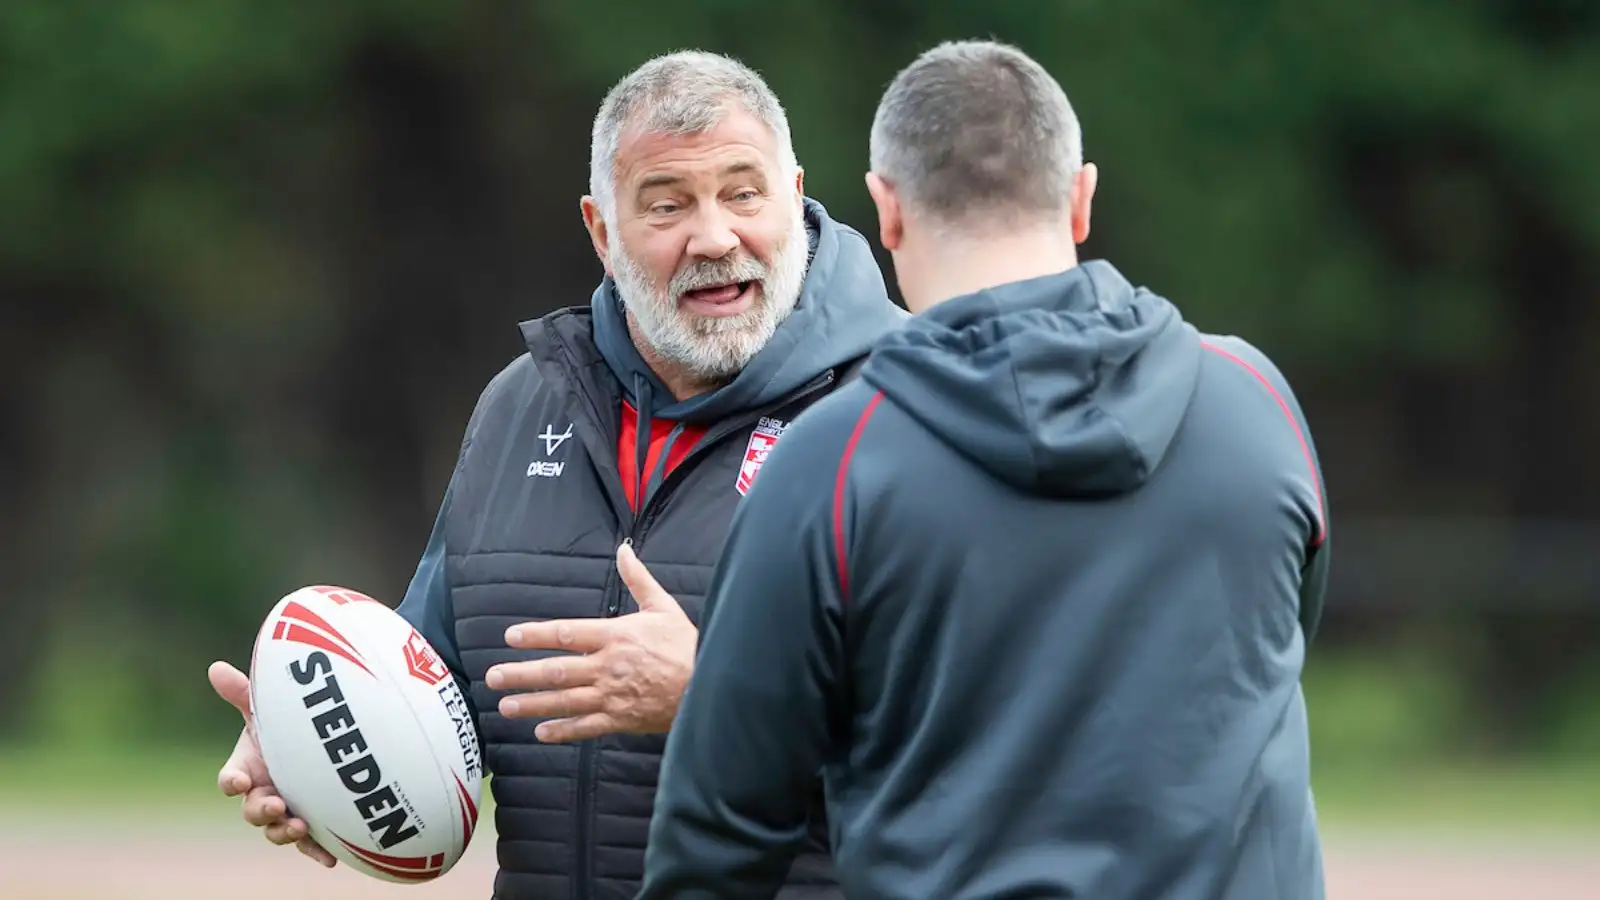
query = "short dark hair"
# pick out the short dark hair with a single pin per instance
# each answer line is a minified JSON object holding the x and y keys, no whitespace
{"x":975,"y":129}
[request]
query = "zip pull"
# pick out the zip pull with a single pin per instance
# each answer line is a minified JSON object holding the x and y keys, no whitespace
{"x":614,"y":600}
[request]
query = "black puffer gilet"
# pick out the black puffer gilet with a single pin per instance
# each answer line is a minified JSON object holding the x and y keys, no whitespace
{"x":534,"y":523}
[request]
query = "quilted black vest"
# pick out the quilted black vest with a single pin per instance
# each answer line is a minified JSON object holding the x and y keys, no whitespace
{"x":536,"y":513}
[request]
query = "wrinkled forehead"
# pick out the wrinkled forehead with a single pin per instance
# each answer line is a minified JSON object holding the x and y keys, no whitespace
{"x":739,"y":145}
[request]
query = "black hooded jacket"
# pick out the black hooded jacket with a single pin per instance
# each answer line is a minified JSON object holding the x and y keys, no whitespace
{"x":1035,"y":595}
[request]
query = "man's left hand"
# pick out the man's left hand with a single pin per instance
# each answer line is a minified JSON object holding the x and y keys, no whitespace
{"x":629,"y":678}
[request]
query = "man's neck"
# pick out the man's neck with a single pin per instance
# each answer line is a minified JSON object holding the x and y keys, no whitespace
{"x":957,"y":266}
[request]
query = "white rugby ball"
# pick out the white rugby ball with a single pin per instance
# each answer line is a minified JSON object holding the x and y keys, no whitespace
{"x":366,"y":734}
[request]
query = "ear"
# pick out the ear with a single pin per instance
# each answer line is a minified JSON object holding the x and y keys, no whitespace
{"x":891,"y":224}
{"x":800,"y":184}
{"x":1083,"y":186}
{"x":595,"y":223}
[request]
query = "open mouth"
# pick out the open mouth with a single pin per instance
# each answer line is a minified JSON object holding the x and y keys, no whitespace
{"x":721,"y":294}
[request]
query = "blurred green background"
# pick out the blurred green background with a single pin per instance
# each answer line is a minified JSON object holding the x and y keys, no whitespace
{"x":257,"y":260}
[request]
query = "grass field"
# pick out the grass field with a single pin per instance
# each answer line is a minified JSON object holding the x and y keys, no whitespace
{"x":1553,"y":797}
{"x":80,"y":826}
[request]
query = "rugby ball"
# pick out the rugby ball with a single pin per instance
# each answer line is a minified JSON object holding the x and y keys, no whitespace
{"x":366,"y":734}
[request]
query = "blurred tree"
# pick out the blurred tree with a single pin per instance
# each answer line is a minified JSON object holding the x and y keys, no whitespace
{"x":258,"y":259}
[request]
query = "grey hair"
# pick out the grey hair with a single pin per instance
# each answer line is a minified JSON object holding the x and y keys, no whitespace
{"x":976,"y":133}
{"x":682,"y":93}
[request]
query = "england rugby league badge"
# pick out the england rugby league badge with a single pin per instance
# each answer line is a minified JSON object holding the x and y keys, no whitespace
{"x":762,"y":440}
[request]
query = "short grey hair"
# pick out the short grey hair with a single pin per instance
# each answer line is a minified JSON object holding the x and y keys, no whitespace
{"x":682,"y":93}
{"x":974,"y":133}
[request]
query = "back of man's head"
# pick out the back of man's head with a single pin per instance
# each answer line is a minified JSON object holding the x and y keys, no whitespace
{"x":976,"y":135}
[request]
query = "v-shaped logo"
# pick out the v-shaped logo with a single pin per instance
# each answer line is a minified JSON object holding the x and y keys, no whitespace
{"x":553,"y":440}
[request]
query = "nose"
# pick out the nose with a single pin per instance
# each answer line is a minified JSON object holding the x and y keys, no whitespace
{"x":713,"y":236}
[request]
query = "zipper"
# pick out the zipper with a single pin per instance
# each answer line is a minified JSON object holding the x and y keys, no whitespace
{"x":637,"y":529}
{"x":588,"y":760}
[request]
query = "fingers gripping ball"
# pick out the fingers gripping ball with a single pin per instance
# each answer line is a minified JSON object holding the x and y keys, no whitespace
{"x":365,"y":734}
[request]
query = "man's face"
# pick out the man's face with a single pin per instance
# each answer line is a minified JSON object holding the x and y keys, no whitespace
{"x":709,"y":247}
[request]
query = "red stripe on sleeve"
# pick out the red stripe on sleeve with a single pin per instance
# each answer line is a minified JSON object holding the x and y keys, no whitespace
{"x":838,"y":496}
{"x":1299,"y":434}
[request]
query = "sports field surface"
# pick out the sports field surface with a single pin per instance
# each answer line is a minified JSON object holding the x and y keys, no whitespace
{"x":74,"y":829}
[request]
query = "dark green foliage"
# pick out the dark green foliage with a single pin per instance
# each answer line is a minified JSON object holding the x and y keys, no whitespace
{"x":258,"y":258}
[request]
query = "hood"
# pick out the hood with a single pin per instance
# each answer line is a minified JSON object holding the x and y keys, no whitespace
{"x":843,"y":308}
{"x":1068,"y":385}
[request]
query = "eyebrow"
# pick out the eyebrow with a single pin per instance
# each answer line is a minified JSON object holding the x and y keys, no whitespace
{"x":662,"y":179}
{"x":667,"y":179}
{"x":743,"y":167}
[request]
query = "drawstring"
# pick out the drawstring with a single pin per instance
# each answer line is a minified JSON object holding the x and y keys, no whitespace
{"x":658,"y":472}
{"x":643,"y":396}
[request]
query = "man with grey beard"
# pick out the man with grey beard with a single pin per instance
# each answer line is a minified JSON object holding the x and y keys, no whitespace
{"x":625,"y":436}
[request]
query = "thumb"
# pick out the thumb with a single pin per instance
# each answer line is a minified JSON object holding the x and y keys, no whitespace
{"x":646,"y":592}
{"x":231,"y":685}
